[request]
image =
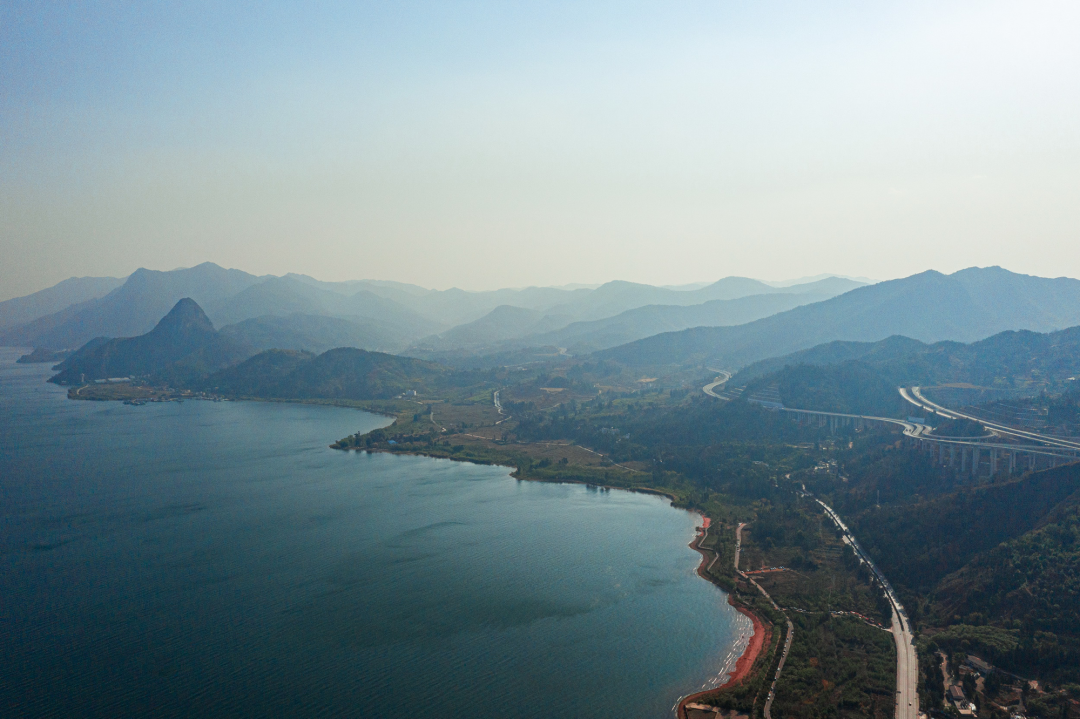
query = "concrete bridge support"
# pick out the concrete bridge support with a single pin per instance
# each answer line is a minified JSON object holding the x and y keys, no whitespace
{"x":974,"y":461}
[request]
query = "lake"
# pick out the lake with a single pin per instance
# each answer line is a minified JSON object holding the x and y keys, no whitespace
{"x":217,"y":559}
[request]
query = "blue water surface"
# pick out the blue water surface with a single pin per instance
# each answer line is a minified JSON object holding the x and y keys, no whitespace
{"x":219,"y":560}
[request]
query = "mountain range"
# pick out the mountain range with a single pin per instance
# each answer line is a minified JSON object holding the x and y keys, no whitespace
{"x":59,"y":297}
{"x":507,"y":328}
{"x":387,"y":316}
{"x":131,"y":309}
{"x":965,"y":306}
{"x":732,"y":322}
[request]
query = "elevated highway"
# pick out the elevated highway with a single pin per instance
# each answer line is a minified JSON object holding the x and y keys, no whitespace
{"x":915,"y":397}
{"x":1004,"y":448}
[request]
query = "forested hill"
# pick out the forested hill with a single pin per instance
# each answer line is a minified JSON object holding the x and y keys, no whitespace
{"x":1047,"y":359}
{"x":999,"y":564}
{"x":862,"y":377}
{"x":184,"y":345}
{"x":966,"y":306}
{"x":343,"y":373}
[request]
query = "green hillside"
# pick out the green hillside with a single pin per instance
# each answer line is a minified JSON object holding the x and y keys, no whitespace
{"x":862,"y":377}
{"x":343,"y":373}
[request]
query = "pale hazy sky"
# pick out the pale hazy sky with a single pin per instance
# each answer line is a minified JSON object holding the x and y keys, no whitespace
{"x":486,"y":145}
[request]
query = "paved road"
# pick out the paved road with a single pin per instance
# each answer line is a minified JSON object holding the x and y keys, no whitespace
{"x":918,"y":430}
{"x":779,"y":667}
{"x":907,"y":663}
{"x":498,"y":406}
{"x":790,"y":626}
{"x":710,"y":389}
{"x":915,"y":397}
{"x":1049,"y":445}
{"x":738,"y":544}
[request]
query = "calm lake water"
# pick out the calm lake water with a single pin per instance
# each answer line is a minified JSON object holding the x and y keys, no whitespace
{"x":219,"y":560}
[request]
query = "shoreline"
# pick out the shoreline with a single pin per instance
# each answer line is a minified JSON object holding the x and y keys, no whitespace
{"x":514,"y":473}
{"x":743,"y":664}
{"x":745,"y":661}
{"x":754,"y":645}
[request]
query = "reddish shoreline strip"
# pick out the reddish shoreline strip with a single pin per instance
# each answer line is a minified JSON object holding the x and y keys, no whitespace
{"x":753,"y":648}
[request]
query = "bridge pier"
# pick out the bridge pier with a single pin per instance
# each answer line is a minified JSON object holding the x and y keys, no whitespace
{"x":974,"y":461}
{"x":963,"y":459}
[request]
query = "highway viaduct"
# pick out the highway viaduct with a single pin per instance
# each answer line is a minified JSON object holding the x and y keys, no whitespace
{"x":1002,"y":449}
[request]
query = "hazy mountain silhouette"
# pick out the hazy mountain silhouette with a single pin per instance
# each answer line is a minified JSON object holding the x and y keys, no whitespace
{"x":72,"y":291}
{"x":231,"y":297}
{"x":182,"y":345}
{"x":315,"y":333}
{"x":133,"y":308}
{"x":965,"y":306}
{"x":508,"y":327}
{"x":584,"y":337}
{"x":617,"y":297}
{"x":503,"y":323}
{"x":282,"y":296}
{"x":456,"y":307}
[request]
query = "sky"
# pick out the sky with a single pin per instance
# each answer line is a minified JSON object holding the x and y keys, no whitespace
{"x":484,"y":145}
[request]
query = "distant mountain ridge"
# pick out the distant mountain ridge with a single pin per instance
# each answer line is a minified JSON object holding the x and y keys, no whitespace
{"x":640,"y":322}
{"x":393,"y":315}
{"x":72,"y":291}
{"x":966,"y":306}
{"x":132,"y":309}
{"x":316,"y":333}
{"x":619,"y":312}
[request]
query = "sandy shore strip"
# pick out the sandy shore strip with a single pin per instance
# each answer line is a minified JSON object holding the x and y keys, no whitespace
{"x":753,"y":648}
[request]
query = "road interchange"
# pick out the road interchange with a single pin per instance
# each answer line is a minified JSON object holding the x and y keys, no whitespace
{"x":1034,"y":444}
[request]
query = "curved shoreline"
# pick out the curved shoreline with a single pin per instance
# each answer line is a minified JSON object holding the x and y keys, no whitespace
{"x":753,"y":647}
{"x":515,"y":473}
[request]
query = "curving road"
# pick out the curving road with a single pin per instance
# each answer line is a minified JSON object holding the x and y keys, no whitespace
{"x":915,"y":397}
{"x":907,"y":665}
{"x":722,"y":377}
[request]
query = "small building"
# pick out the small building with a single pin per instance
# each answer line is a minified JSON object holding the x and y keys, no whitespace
{"x":979,"y":665}
{"x":956,"y":696}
